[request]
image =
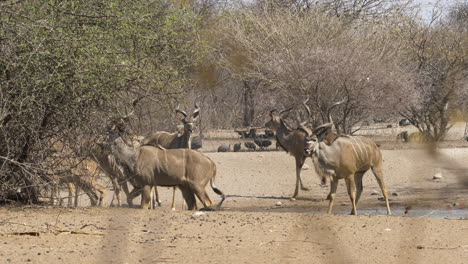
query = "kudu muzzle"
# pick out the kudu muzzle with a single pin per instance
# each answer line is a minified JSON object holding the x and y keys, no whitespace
{"x":309,"y":146}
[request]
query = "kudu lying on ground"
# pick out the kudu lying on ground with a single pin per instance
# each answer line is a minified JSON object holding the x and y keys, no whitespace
{"x":188,"y":169}
{"x":344,"y":157}
{"x":180,"y":140}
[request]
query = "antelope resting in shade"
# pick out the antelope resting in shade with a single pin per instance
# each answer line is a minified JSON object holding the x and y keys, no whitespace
{"x":344,"y":157}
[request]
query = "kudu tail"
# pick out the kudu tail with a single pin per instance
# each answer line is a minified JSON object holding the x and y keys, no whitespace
{"x":217,"y":191}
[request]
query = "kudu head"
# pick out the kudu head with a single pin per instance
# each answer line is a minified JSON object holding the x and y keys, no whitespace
{"x":117,"y":127}
{"x":188,"y":121}
{"x":276,"y":120}
{"x":315,"y":136}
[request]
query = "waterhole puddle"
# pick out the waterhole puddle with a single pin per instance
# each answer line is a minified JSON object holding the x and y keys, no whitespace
{"x":398,"y":212}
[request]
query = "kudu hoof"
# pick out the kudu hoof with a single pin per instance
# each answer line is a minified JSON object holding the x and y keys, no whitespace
{"x":209,"y":208}
{"x":214,"y":207}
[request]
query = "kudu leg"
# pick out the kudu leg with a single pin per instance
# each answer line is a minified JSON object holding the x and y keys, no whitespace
{"x":189,"y":197}
{"x":116,"y":187}
{"x":299,"y":164}
{"x":152,"y":198}
{"x":173,"y":206}
{"x":53,"y":194}
{"x":73,"y":191}
{"x":156,"y":196}
{"x":379,"y":176}
{"x":351,"y":186}
{"x":130,"y":195}
{"x":358,"y":179}
{"x":333,"y":187}
{"x":203,"y":196}
{"x":133,"y":194}
{"x":91,"y":190}
{"x":71,"y":194}
{"x":102,"y":194}
{"x":146,"y":197}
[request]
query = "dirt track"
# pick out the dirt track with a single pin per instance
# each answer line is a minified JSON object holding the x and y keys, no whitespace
{"x":255,"y":228}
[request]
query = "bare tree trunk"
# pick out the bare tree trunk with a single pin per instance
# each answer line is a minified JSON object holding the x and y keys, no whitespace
{"x":465,"y":134}
{"x":249,"y":102}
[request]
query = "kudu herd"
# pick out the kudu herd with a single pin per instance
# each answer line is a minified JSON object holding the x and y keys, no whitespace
{"x":165,"y":159}
{"x":334,"y":156}
{"x":153,"y":166}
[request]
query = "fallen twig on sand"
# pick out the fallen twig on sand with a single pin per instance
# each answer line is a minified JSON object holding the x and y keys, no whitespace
{"x":440,"y":248}
{"x":6,"y":221}
{"x":56,"y":232}
{"x":20,"y":234}
{"x":301,"y":241}
{"x":86,"y":225}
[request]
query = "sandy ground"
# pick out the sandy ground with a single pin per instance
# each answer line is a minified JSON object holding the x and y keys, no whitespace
{"x":259,"y":224}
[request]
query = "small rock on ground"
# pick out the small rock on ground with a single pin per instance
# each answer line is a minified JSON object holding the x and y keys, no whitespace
{"x":437,"y":176}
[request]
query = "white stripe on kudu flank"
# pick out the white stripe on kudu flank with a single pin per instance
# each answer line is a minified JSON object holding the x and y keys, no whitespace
{"x":352,"y":145}
{"x":165,"y":160}
{"x":359,"y":146}
{"x":364,"y":145}
{"x":183,"y":162}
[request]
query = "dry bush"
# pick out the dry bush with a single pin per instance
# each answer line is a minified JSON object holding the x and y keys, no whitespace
{"x":283,"y":57}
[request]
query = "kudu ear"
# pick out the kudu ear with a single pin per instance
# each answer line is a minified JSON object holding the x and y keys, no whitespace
{"x":113,"y":124}
{"x":305,"y":129}
{"x":272,"y":111}
{"x":124,"y":117}
{"x":196,"y":112}
{"x":323,"y":130}
{"x":285,"y":113}
{"x":181,"y":115}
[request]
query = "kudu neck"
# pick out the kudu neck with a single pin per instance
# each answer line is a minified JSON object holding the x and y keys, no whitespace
{"x":123,"y":152}
{"x":185,"y":143}
{"x":283,"y":129}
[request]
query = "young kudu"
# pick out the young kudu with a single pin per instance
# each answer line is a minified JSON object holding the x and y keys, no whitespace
{"x":66,"y":167}
{"x":179,"y":140}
